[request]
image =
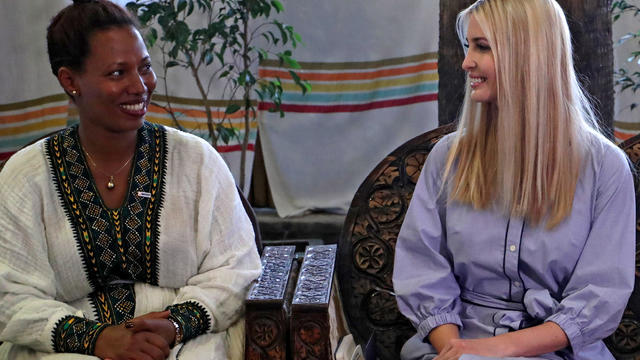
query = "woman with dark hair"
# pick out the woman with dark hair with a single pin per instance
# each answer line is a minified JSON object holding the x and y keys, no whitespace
{"x":520,"y":237}
{"x":119,"y":239}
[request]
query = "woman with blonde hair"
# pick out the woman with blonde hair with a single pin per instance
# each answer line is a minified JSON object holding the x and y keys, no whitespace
{"x":519,"y":241}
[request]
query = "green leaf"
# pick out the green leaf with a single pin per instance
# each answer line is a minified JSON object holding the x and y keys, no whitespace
{"x":152,"y":36}
{"x":260,"y":94}
{"x":294,"y":76}
{"x":278,"y":5}
{"x":292,"y":63}
{"x":232,"y":108}
{"x":172,"y":63}
{"x":283,"y":31}
{"x":173,"y":53}
{"x":262,"y":54}
{"x":226,"y":133}
{"x":307,"y":87}
{"x":191,"y":7}
{"x":182,"y":4}
{"x":182,"y":32}
{"x":208,"y":58}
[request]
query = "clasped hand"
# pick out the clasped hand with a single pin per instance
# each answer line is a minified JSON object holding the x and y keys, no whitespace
{"x":147,"y":337}
{"x":457,"y":347}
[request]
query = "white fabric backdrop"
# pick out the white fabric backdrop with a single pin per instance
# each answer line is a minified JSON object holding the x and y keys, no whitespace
{"x":314,"y":161}
{"x":318,"y":160}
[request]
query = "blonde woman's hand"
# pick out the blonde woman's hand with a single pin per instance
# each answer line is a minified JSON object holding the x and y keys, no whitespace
{"x":457,"y":347}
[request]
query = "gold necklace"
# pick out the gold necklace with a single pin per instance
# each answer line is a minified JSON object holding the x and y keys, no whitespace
{"x":110,"y":184}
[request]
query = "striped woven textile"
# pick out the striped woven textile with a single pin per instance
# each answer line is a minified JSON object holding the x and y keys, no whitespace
{"x":358,"y":86}
{"x":22,"y":122}
{"x":192,"y":118}
{"x":624,"y":130}
{"x":355,"y":114}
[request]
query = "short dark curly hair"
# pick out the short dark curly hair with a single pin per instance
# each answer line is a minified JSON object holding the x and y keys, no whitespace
{"x":70,"y":30}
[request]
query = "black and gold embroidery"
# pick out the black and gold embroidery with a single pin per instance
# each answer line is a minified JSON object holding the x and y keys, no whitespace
{"x":77,"y":335}
{"x":192,"y":317}
{"x":118,"y":246}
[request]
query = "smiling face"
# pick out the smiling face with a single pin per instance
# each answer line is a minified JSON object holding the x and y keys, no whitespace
{"x":115,"y":84}
{"x":480,"y":65}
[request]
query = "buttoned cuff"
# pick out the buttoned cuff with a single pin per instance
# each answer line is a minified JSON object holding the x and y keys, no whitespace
{"x":571,"y":329}
{"x":434,"y":321}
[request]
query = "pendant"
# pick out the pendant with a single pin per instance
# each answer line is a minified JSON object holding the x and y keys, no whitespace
{"x":110,"y":183}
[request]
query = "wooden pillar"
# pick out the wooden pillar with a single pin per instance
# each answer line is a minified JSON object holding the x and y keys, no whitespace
{"x":450,"y":56}
{"x":590,"y":24}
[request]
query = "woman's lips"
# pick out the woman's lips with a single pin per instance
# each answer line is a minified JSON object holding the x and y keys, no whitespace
{"x":476,"y":81}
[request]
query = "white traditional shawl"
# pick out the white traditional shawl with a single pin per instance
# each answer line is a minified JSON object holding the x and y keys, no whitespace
{"x":206,"y":251}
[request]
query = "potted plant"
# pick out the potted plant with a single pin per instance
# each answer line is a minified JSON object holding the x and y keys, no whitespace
{"x":220,"y":43}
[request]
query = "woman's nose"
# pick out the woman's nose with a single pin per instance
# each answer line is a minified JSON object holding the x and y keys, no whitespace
{"x":137,"y":85}
{"x":468,"y":63}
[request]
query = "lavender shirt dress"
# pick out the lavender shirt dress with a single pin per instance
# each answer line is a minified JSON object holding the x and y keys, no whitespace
{"x":490,"y":274}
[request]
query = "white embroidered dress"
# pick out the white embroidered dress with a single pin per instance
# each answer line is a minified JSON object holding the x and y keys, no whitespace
{"x":186,"y":241}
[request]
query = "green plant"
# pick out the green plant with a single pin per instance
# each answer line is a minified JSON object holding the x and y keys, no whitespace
{"x":222,"y":47}
{"x":625,"y":78}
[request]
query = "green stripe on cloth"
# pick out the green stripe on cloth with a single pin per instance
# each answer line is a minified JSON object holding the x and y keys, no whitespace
{"x":33,"y":102}
{"x":627,"y":126}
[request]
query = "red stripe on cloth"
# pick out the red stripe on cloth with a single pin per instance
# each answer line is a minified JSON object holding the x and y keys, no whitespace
{"x":622,"y":136}
{"x":6,"y":155}
{"x":350,"y":107}
{"x":232,"y":148}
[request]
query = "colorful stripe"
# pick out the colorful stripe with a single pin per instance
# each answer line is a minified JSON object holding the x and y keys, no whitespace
{"x":22,"y":122}
{"x":625,"y":130}
{"x":356,"y":86}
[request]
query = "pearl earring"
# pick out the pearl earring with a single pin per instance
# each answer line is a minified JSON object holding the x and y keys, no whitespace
{"x":73,"y":92}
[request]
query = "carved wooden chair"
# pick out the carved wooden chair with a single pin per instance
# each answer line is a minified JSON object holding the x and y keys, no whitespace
{"x":367,"y":243}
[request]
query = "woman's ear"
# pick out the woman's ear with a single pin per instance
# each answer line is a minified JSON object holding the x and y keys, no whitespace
{"x":66,"y":78}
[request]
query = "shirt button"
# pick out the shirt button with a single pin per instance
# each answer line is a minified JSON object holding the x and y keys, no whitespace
{"x":516,"y":283}
{"x":512,"y":248}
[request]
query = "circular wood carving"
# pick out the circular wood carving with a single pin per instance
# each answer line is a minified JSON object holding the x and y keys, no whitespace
{"x":626,"y":339}
{"x":385,"y":205}
{"x":311,"y":345}
{"x":366,"y":249}
{"x":264,"y":332}
{"x":371,"y":256}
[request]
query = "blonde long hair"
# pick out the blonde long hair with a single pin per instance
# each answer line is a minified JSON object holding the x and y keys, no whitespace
{"x":524,"y":153}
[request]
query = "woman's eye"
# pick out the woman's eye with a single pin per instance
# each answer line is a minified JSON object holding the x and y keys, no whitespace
{"x":146,"y":68}
{"x":116,"y":73}
{"x":483,"y":47}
